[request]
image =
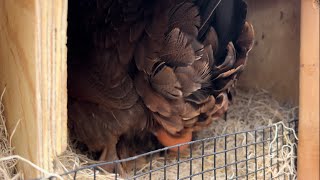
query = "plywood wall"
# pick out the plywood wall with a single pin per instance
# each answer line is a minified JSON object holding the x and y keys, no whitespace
{"x":274,"y":61}
{"x":33,"y":70}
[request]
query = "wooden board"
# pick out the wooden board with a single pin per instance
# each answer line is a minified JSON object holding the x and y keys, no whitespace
{"x":308,"y":148}
{"x":273,"y":63}
{"x":33,"y":70}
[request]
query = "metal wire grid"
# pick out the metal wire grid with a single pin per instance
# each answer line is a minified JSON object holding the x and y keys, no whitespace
{"x":211,"y":161}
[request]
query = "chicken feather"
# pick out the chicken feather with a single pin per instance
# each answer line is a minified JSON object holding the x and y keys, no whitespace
{"x":138,"y":66}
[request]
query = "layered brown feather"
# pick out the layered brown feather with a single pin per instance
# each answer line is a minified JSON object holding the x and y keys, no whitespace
{"x":138,"y":66}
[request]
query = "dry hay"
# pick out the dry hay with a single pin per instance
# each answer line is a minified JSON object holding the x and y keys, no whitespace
{"x":251,"y":110}
{"x":7,"y":167}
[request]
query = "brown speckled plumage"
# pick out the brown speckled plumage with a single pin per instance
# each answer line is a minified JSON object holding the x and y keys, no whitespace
{"x":135,"y":66}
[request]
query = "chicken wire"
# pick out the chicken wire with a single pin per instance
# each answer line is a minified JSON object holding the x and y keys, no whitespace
{"x":276,"y":160}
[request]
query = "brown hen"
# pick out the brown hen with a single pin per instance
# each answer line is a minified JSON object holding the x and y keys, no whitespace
{"x":148,"y":66}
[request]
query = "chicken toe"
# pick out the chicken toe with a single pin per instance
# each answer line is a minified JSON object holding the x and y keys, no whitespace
{"x":109,"y":154}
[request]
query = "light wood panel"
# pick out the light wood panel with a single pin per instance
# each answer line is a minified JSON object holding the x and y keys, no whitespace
{"x":273,"y":63}
{"x":33,"y":68}
{"x":308,"y":149}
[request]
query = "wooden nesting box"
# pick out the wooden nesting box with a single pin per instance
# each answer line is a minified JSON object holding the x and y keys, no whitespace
{"x":33,"y":70}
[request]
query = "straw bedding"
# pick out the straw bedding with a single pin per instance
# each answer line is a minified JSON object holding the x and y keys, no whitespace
{"x":251,"y":110}
{"x":8,"y":167}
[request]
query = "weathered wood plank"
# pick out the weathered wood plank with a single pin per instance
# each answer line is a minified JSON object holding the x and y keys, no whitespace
{"x":273,"y":63}
{"x":308,"y":149}
{"x":33,"y":68}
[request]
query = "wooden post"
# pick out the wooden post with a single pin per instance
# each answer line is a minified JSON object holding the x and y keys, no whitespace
{"x":308,"y":149}
{"x":33,"y":70}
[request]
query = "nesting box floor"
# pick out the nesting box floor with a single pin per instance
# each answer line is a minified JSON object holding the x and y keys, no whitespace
{"x":250,"y":110}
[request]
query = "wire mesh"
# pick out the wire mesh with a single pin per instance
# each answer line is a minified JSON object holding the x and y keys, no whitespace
{"x":213,"y":161}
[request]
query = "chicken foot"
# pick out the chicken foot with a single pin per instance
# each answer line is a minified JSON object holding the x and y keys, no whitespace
{"x":109,"y":154}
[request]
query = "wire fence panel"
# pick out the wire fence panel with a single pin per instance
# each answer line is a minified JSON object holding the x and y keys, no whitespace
{"x":264,"y":153}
